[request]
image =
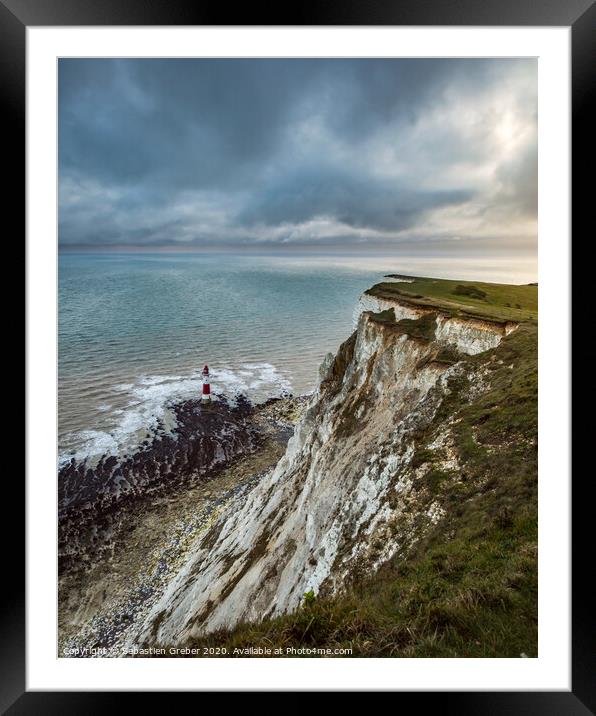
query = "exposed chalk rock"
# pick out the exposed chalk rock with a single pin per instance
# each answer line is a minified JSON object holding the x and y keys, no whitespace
{"x":341,"y":496}
{"x":468,"y":335}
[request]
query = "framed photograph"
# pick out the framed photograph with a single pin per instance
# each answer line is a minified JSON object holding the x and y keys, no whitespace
{"x":298,"y":353}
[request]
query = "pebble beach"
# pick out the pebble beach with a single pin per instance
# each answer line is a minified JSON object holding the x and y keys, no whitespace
{"x":101,"y":598}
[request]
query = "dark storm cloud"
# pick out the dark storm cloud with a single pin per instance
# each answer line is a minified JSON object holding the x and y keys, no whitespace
{"x":355,"y":200}
{"x":265,"y":152}
{"x":194,"y":123}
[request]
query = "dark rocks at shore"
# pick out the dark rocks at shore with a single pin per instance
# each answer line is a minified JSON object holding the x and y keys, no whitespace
{"x":95,"y":501}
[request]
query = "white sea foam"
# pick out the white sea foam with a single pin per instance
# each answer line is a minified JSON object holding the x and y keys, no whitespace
{"x":250,"y":377}
{"x":93,"y":443}
{"x":149,"y":401}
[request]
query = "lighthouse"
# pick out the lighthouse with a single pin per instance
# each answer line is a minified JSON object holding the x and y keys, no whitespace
{"x":206,"y":388}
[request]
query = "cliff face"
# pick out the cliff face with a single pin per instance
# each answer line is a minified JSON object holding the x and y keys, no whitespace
{"x":349,"y":493}
{"x":469,"y":335}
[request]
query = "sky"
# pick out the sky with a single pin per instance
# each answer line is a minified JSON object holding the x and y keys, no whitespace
{"x":433,"y":157}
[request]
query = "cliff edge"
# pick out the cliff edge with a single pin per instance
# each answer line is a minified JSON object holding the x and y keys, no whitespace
{"x":421,"y":433}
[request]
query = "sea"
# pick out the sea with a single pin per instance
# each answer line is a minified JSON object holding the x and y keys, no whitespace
{"x":136,"y":329}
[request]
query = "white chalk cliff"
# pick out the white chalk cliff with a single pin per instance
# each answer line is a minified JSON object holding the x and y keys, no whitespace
{"x":341,"y":500}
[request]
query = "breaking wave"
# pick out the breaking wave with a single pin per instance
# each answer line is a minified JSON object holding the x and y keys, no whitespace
{"x":148,"y":402}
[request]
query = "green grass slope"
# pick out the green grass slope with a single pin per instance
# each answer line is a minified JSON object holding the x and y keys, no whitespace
{"x":492,"y":301}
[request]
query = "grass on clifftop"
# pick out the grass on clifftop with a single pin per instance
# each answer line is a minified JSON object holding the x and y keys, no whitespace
{"x":493,"y":301}
{"x":470,"y":588}
{"x":422,"y":328}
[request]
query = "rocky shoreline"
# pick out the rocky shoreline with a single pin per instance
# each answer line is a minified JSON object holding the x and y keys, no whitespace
{"x":125,"y":524}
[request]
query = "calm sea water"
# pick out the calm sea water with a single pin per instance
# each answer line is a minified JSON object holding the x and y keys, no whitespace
{"x":136,"y":329}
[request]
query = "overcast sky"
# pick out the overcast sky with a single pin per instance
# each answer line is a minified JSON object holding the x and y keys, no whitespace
{"x":312,"y":155}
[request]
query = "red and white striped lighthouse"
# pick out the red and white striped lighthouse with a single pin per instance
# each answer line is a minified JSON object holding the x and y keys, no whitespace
{"x":206,"y":387}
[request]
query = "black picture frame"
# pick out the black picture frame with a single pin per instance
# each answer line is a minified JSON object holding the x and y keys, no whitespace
{"x":16,"y":15}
